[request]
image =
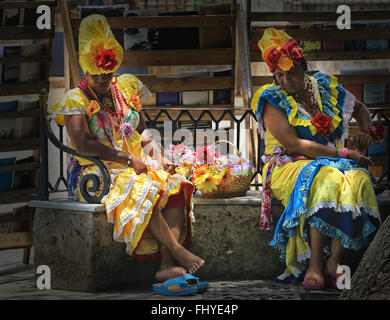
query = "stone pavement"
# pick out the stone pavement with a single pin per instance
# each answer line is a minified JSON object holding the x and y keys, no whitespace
{"x":17,"y":282}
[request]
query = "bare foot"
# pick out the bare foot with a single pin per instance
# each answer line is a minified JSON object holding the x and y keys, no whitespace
{"x":169,"y":272}
{"x":188,"y":260}
{"x":313,"y":278}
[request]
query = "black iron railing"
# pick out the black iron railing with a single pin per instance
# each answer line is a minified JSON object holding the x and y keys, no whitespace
{"x":44,"y":186}
{"x":153,"y":116}
{"x":174,"y":117}
{"x":237,"y":116}
{"x":381,"y":112}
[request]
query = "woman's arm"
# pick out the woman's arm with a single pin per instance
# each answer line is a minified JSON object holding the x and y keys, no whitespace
{"x":363,"y":119}
{"x":151,"y":147}
{"x":277,"y":123}
{"x":78,"y":131}
{"x":362,"y":115}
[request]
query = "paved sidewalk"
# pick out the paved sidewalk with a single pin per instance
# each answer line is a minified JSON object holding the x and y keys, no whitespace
{"x":17,"y":282}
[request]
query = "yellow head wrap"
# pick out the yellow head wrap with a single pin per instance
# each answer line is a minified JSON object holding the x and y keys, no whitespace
{"x":279,"y":50}
{"x":99,"y":51}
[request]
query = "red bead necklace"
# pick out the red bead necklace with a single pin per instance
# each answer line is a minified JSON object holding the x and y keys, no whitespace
{"x":118,"y":113}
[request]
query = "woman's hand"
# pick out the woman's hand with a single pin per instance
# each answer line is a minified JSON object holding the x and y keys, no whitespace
{"x":360,"y":158}
{"x":168,"y":165}
{"x":138,"y":165}
{"x":363,"y":141}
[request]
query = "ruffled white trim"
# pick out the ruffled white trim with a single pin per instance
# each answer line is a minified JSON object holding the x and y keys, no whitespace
{"x":143,"y":205}
{"x":372,"y":212}
{"x":349,"y":104}
{"x":127,"y":215}
{"x":66,"y":113}
{"x":172,"y":183}
{"x":144,"y":211}
{"x":356,"y":211}
{"x":337,"y":208}
{"x":116,"y":202}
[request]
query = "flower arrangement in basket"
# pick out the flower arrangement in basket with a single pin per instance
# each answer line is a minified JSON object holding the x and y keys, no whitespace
{"x":215,"y":175}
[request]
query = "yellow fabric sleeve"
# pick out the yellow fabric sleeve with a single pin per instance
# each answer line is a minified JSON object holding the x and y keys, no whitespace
{"x":73,"y":102}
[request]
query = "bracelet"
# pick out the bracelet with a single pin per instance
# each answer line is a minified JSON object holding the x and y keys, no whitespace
{"x":342,"y":153}
{"x":129,"y":160}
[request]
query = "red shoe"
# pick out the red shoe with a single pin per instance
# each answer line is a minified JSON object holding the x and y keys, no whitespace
{"x":317,"y":284}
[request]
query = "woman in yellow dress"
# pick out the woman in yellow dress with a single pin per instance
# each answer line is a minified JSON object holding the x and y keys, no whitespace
{"x":328,"y":196}
{"x":151,"y":207}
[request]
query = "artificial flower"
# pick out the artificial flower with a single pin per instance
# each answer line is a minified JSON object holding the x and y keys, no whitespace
{"x":293,"y":51}
{"x":208,"y":184}
{"x":323,"y":123}
{"x":200,"y":170}
{"x":285,"y":63}
{"x":93,"y":108}
{"x":136,"y":101}
{"x":128,"y":129}
{"x":272,"y":59}
{"x":105,"y":59}
{"x":205,"y":155}
{"x":226,"y":178}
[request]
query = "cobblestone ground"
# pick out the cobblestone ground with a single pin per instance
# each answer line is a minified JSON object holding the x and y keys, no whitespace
{"x":17,"y":283}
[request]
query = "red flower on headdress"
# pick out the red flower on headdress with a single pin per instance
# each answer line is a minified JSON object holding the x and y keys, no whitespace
{"x":106,"y":59}
{"x":272,"y":59}
{"x":293,"y":51}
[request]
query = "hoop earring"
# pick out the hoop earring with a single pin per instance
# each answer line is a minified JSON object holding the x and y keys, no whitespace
{"x":84,"y":83}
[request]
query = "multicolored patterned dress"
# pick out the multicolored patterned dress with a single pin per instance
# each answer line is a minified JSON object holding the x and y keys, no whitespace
{"x":132,"y":199}
{"x":335,"y":196}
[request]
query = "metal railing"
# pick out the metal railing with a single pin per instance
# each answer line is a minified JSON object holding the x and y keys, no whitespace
{"x":153,"y":116}
{"x":44,"y":185}
{"x":386,"y":172}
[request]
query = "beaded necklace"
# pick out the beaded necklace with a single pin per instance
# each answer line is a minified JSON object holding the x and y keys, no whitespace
{"x":110,"y":113}
{"x":322,"y":122}
{"x":313,"y":107}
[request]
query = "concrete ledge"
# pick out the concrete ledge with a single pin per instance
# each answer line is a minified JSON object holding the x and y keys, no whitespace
{"x":75,"y":241}
{"x":67,"y":204}
{"x":78,"y":247}
{"x":252,"y":198}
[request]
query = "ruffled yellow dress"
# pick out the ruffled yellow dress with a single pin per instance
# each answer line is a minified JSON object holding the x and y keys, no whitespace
{"x":334,"y":196}
{"x":132,"y":199}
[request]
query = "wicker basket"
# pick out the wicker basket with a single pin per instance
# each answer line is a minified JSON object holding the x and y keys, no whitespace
{"x":240,"y":185}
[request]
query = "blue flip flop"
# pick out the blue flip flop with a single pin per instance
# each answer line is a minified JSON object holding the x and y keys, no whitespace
{"x":175,"y":287}
{"x":192,"y":280}
{"x":180,"y":286}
